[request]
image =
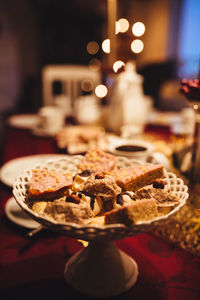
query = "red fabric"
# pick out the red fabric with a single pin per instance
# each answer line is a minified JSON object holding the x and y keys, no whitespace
{"x":32,"y":268}
{"x":18,"y":142}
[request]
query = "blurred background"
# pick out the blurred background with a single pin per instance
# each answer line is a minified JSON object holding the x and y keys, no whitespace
{"x":35,"y":33}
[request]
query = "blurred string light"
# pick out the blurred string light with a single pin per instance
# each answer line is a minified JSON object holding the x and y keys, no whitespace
{"x":196,"y":106}
{"x":106,"y":46}
{"x":137,"y":46}
{"x":123,"y":25}
{"x":101,"y":91}
{"x":117,"y":65}
{"x":138,"y":29}
{"x":92,"y":47}
{"x":95,"y":64}
{"x":87,"y":85}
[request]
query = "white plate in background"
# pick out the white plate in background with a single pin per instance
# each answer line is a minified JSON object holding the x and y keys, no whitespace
{"x":24,"y":121}
{"x":12,"y":168}
{"x":15,"y":214}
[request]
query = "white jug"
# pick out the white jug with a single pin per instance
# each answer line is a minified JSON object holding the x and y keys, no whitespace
{"x":128,"y":104}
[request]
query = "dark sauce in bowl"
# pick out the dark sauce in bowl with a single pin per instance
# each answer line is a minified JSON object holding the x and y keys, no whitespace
{"x":131,"y":148}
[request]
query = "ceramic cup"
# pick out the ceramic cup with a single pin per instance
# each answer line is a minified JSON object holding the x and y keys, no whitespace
{"x":51,"y":119}
{"x":139,"y":150}
{"x":135,"y":149}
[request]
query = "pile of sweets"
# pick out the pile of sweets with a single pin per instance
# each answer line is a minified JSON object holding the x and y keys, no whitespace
{"x":77,"y":139}
{"x":100,"y":193}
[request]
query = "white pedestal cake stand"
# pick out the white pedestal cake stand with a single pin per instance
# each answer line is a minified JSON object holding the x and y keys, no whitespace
{"x":100,"y":269}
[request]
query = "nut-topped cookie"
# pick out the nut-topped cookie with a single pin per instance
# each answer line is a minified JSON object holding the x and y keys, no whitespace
{"x":97,"y":161}
{"x":48,"y":184}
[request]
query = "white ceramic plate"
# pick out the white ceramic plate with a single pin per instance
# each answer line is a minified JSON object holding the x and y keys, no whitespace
{"x":24,"y":121}
{"x":12,"y":168}
{"x":15,"y":214}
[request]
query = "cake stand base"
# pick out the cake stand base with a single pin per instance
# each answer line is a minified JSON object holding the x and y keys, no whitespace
{"x":101,"y":270}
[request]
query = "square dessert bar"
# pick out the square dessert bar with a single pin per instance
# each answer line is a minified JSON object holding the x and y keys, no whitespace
{"x":140,"y":210}
{"x":47,"y":184}
{"x":134,"y":178}
{"x":97,"y":161}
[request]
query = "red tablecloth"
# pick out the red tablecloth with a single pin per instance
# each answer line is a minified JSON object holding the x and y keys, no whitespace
{"x":32,"y":268}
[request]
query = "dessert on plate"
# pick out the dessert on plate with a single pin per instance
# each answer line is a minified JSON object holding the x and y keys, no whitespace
{"x":97,"y":161}
{"x":48,"y":184}
{"x":139,"y":210}
{"x":76,"y":139}
{"x":136,"y":177}
{"x":100,"y":193}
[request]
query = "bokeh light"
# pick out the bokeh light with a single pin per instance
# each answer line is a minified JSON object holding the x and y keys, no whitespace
{"x":92,"y":47}
{"x":95,"y":64}
{"x":117,"y":65}
{"x":87,"y":85}
{"x":138,"y":29}
{"x":123,"y":25}
{"x":137,"y":46}
{"x":101,"y":91}
{"x":106,"y":46}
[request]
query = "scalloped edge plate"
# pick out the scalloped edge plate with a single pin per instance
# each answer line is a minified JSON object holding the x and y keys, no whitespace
{"x":90,"y":231}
